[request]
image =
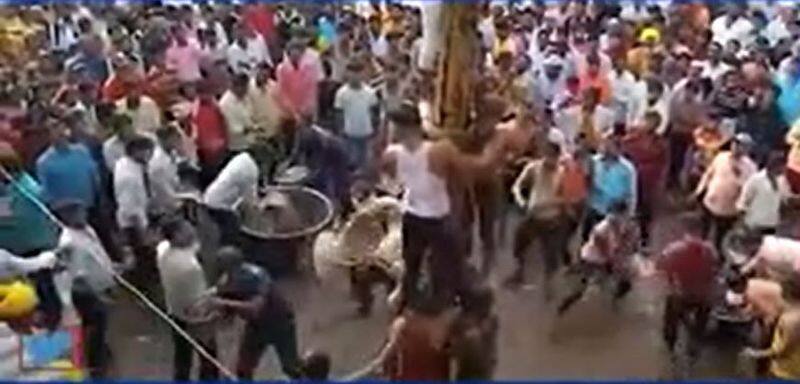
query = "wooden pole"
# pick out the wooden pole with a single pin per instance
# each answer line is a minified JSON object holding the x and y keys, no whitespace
{"x":457,"y":67}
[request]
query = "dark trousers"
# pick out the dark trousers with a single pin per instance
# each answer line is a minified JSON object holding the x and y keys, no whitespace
{"x":211,"y":167}
{"x":257,"y":337}
{"x":184,"y":355}
{"x":145,"y":273}
{"x":645,"y":212}
{"x":721,"y":225}
{"x":362,"y":280}
{"x":227,"y":224}
{"x":102,"y":222}
{"x":588,"y":273}
{"x":680,"y":311}
{"x":551,"y":236}
{"x":592,"y":218}
{"x":423,"y":235}
{"x":572,"y":223}
{"x":94,"y":322}
{"x":50,"y":305}
{"x":678,"y":145}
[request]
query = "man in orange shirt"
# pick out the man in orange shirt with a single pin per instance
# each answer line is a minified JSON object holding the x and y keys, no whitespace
{"x":126,"y":77}
{"x":574,"y":189}
{"x":594,"y":78}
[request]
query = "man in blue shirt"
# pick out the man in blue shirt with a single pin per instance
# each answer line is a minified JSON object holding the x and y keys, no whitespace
{"x":66,"y":170}
{"x":613,"y":179}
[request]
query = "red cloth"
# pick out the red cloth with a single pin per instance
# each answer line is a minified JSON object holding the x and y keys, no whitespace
{"x":260,"y":18}
{"x":211,"y":135}
{"x":416,"y":358}
{"x":649,"y":154}
{"x":691,"y":266}
{"x":793,"y":178}
{"x":115,"y":89}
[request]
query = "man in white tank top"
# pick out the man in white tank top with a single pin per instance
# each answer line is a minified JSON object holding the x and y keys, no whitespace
{"x":427,"y":171}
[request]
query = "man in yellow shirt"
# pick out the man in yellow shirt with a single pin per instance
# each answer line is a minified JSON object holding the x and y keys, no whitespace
{"x":784,"y":353}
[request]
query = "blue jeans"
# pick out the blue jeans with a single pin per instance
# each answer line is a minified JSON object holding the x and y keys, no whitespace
{"x":360,"y":149}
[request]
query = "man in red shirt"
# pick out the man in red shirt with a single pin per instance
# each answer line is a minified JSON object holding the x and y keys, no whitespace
{"x":261,"y":18}
{"x":649,"y":154}
{"x":690,"y":266}
{"x":210,"y":134}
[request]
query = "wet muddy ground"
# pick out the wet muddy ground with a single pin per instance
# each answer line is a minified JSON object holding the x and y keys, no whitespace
{"x":590,"y":341}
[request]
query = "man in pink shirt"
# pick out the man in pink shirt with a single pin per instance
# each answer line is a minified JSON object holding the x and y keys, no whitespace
{"x":298,"y":76}
{"x":721,"y":186}
{"x":184,"y":57}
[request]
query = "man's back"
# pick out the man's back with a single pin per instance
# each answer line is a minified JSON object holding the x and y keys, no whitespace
{"x":691,"y":265}
{"x":249,"y":281}
{"x":68,"y":173}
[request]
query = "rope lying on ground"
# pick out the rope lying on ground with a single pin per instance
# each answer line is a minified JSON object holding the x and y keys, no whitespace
{"x":125,"y":283}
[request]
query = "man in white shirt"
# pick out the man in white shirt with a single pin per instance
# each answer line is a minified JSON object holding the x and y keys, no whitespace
{"x":356,"y":105}
{"x":132,"y":194}
{"x":714,"y":67}
{"x":623,"y":96}
{"x":131,"y":184}
{"x":247,"y":51}
{"x":62,"y":32}
{"x":92,"y":274}
{"x":778,"y":28}
{"x":733,"y":25}
{"x":237,"y":182}
{"x":238,"y":113}
{"x":550,"y":82}
{"x":214,"y":48}
{"x":762,"y":196}
{"x":657,"y":100}
{"x":163,"y":171}
{"x":114,"y":146}
{"x":185,"y":286}
{"x":143,"y":112}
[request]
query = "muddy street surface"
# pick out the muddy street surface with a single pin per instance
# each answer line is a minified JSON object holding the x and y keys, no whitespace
{"x":590,"y":341}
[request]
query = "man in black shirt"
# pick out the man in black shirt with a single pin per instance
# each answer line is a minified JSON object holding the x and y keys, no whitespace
{"x":246,"y":290}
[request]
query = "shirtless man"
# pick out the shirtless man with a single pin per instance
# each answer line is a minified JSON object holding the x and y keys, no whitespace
{"x":486,"y":194}
{"x":432,"y":173}
{"x":417,"y":345}
{"x":774,"y":256}
{"x":473,"y":345}
{"x":784,"y":352}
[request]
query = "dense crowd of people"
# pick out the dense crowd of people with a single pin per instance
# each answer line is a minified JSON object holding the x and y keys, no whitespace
{"x":122,"y":124}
